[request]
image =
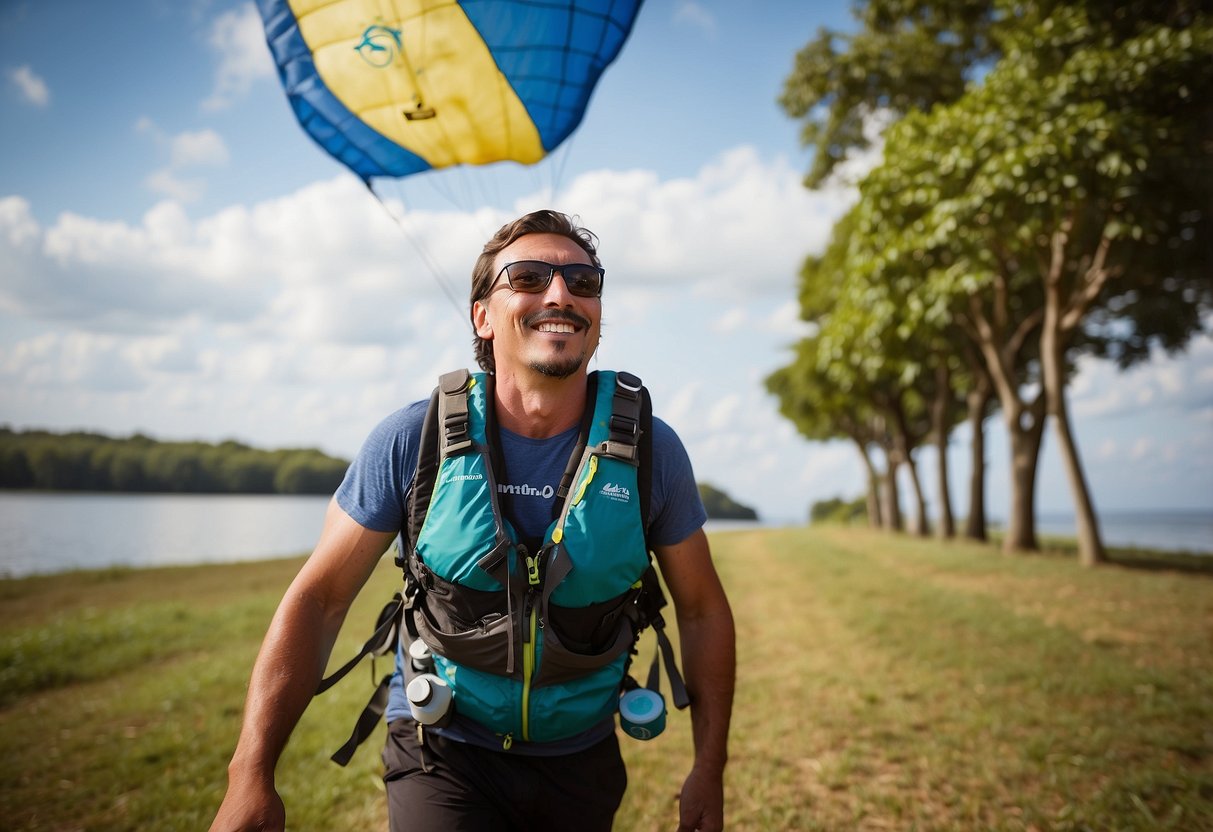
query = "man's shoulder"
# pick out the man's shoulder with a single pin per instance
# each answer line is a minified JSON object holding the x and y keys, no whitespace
{"x":408,"y":418}
{"x":664,"y":436}
{"x":398,"y":428}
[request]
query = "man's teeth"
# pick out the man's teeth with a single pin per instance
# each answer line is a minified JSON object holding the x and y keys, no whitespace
{"x":555,"y":326}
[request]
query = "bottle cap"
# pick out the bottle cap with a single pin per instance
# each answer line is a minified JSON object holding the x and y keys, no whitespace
{"x":420,"y":655}
{"x":429,"y":698}
{"x":642,"y":713}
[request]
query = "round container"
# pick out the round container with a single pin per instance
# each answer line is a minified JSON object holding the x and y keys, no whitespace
{"x":642,"y":713}
{"x":429,"y":699}
{"x":420,"y":656}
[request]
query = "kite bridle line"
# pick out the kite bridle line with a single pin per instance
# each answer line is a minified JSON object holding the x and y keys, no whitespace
{"x":431,"y":263}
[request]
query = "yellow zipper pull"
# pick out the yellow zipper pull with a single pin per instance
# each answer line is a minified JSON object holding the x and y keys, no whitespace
{"x":507,"y":741}
{"x":593,"y":468}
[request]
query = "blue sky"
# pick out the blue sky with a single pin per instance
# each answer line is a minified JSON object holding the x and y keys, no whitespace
{"x":178,"y":258}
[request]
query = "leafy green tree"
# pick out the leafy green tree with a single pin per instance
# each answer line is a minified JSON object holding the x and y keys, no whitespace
{"x":823,"y":410}
{"x":1058,"y":206}
{"x":308,"y":472}
{"x":906,"y":55}
{"x":903,"y":375}
{"x":838,"y":510}
{"x":721,"y":506}
{"x":1051,"y":190}
{"x":92,"y":462}
{"x":15,"y":470}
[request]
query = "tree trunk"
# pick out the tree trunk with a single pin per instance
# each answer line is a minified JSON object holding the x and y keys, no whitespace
{"x":1000,"y":352}
{"x":873,"y":497}
{"x":902,"y":449}
{"x":891,"y":508}
{"x":978,"y":401}
{"x":1090,"y":545}
{"x":1052,"y":352}
{"x":922,"y":527}
{"x":1025,"y":453}
{"x":942,"y":429}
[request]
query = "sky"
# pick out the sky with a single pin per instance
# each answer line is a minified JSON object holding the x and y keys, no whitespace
{"x":178,"y":258}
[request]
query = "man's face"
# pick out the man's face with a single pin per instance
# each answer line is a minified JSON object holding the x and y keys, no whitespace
{"x":553,"y":332}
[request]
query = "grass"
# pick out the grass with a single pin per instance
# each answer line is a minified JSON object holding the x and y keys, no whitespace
{"x":884,"y":683}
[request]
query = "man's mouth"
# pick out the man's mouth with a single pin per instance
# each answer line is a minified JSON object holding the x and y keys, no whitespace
{"x":562,"y":322}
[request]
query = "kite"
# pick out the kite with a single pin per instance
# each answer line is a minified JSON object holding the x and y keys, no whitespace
{"x":390,"y":89}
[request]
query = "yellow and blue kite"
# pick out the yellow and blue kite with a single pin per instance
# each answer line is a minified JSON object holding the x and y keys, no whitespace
{"x":396,"y":88}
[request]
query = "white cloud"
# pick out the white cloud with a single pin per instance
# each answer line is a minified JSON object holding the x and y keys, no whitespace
{"x":695,"y":14}
{"x":307,"y":318}
{"x":169,"y":184}
{"x":238,"y":39}
{"x":30,"y":86}
{"x":1142,"y":448}
{"x":740,"y":227}
{"x":198,"y":148}
{"x":186,"y":151}
{"x":314,"y":311}
{"x":731,"y":321}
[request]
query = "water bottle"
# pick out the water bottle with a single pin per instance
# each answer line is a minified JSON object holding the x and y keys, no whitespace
{"x":430,"y":699}
{"x":420,"y":657}
{"x":642,"y":713}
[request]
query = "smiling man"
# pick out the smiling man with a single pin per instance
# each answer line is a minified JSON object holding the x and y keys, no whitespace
{"x":527,"y":499}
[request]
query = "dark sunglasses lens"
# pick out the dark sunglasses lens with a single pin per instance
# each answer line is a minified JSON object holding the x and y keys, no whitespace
{"x":583,"y":280}
{"x":528,"y":275}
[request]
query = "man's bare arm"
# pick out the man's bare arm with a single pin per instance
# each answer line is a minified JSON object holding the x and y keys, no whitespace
{"x":706,"y":635}
{"x":290,"y":664}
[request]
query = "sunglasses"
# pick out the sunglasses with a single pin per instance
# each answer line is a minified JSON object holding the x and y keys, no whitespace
{"x":583,"y":280}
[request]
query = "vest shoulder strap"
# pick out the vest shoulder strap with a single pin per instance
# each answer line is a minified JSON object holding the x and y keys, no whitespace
{"x":453,"y":417}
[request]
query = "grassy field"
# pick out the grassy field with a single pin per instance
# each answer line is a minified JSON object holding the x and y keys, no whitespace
{"x":884,"y":683}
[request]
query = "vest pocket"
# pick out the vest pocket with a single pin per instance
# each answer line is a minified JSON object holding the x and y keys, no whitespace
{"x":578,"y":640}
{"x":464,"y":625}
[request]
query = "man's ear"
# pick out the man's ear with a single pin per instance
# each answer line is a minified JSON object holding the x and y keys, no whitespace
{"x":480,"y":320}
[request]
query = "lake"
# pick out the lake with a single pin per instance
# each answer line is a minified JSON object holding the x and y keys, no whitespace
{"x":57,"y":531}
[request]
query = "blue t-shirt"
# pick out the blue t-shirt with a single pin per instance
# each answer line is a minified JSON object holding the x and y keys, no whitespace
{"x":375,"y":493}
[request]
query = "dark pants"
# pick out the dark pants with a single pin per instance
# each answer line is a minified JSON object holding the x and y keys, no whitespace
{"x":455,"y":786}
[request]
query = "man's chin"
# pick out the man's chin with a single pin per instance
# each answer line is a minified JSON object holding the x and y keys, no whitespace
{"x":560,"y":368}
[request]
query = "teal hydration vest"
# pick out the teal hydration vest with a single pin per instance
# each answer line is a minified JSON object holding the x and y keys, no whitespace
{"x":535,"y":646}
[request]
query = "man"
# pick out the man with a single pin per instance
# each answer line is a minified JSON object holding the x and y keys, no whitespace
{"x":536,"y":310}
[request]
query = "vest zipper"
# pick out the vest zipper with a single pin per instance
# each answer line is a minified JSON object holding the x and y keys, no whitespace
{"x":530,"y":617}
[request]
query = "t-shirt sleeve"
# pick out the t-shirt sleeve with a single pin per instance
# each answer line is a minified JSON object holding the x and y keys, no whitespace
{"x":375,"y":489}
{"x":676,"y":509}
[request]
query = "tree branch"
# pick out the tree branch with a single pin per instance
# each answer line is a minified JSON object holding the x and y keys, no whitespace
{"x":1093,"y":281}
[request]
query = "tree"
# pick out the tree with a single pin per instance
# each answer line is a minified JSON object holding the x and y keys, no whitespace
{"x":821,"y":410}
{"x":906,"y":381}
{"x":1058,"y":207}
{"x":908,"y":55}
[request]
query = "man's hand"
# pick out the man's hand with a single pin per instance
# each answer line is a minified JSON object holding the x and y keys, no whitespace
{"x":701,"y":804}
{"x":250,"y":807}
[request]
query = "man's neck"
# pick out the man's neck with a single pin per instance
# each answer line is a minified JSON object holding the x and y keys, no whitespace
{"x":539,"y":406}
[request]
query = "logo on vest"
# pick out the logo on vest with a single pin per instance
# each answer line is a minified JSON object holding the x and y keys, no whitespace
{"x":465,"y":478}
{"x":525,"y":490}
{"x":618,"y":493}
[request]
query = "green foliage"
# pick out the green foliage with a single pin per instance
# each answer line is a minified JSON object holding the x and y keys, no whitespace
{"x":93,"y":462}
{"x":1055,"y":205}
{"x":721,"y":506}
{"x":1089,"y":127}
{"x":907,"y":55}
{"x":839,"y":510}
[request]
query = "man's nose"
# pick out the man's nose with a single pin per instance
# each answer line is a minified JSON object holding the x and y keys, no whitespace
{"x":557,"y":292}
